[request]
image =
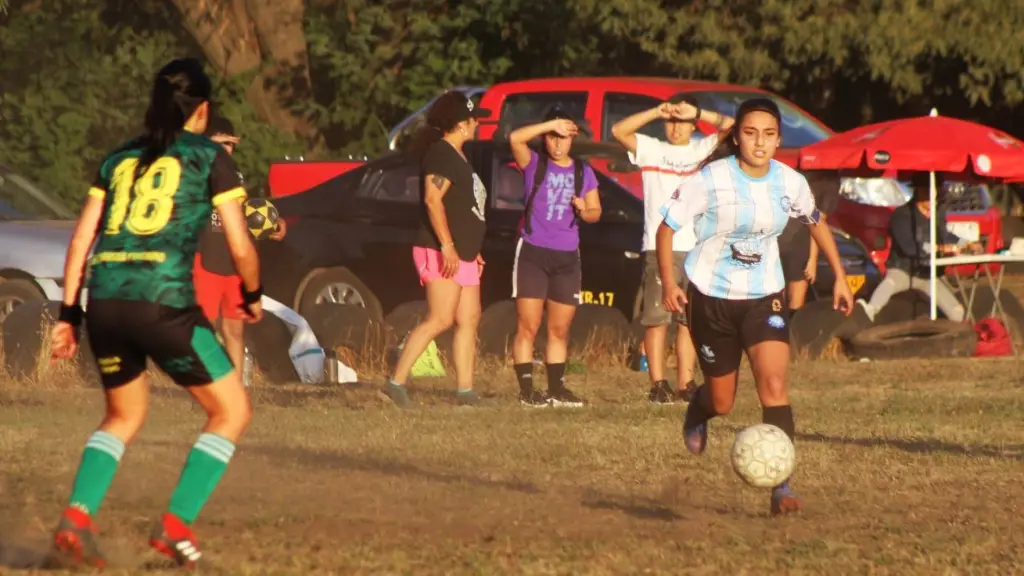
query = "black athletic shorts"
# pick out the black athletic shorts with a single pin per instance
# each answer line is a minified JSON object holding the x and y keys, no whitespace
{"x":722,"y":329}
{"x":123,"y":333}
{"x":547,"y":274}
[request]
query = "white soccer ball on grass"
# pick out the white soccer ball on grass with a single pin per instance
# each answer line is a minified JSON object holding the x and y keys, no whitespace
{"x":763,"y":456}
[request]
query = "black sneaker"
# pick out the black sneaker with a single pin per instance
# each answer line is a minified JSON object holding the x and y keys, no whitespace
{"x":564,"y":397}
{"x":533,"y":398}
{"x":661,"y":393}
{"x":686,"y":392}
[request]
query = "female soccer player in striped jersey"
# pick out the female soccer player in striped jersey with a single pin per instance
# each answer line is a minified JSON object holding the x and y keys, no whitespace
{"x":739,"y":203}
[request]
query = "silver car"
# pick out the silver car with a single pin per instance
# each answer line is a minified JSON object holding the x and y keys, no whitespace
{"x":34,"y":233}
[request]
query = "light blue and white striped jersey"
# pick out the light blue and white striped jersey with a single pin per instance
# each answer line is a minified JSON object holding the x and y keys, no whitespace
{"x":737,"y":220}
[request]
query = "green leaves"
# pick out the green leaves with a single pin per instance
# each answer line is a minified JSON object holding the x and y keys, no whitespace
{"x":76,"y":75}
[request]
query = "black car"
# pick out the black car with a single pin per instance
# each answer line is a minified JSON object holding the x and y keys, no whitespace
{"x":350,"y":239}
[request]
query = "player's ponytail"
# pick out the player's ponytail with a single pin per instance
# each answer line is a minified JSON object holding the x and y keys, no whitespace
{"x":179,"y":88}
{"x":726,"y":147}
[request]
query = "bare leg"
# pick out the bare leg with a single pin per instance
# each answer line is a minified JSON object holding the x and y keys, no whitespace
{"x":654,"y":344}
{"x":797,"y":292}
{"x":467,"y":319}
{"x":769,"y":362}
{"x":442,"y":302}
{"x":686,"y":356}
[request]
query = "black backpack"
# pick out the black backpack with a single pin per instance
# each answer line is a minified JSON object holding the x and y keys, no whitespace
{"x":538,"y":179}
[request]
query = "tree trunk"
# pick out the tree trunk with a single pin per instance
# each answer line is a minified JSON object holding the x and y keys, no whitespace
{"x":264,"y":38}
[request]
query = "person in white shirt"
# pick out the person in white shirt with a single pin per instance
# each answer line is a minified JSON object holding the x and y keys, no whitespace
{"x":664,"y":164}
{"x":738,"y":204}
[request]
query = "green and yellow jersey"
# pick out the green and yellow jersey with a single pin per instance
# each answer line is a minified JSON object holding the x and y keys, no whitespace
{"x":149,"y":232}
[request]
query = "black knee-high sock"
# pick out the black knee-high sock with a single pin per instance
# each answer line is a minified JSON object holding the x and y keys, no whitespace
{"x":700,"y":409}
{"x":556,"y":376}
{"x":524,"y":375}
{"x":781,"y":416}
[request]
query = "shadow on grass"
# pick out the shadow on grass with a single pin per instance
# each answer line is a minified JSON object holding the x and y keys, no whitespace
{"x":642,"y":508}
{"x":334,"y":460}
{"x":925,"y":446}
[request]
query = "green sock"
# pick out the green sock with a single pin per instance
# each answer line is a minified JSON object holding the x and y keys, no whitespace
{"x":102,"y":454}
{"x":205,"y":465}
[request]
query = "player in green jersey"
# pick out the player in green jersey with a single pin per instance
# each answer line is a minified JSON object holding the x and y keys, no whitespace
{"x":145,"y":211}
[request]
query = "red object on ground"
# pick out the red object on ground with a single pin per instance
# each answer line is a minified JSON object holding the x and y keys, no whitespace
{"x":922,"y":143}
{"x":993,"y":338}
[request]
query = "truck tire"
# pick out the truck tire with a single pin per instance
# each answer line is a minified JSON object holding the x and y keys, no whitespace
{"x":400,"y":321}
{"x":349,"y":332}
{"x":267,"y":342}
{"x":26,"y":331}
{"x":599,"y":329}
{"x":498,"y":328}
{"x":814,"y":328}
{"x":916,"y":339}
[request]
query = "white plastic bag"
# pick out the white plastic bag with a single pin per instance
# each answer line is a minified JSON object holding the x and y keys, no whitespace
{"x":305,"y":351}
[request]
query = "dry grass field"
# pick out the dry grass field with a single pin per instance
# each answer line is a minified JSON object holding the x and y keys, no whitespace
{"x":905,"y":468}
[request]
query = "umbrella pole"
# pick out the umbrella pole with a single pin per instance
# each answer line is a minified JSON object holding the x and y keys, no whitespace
{"x":932,"y":224}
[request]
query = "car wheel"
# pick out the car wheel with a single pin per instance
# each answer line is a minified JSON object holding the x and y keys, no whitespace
{"x":15,"y":292}
{"x":338,"y":286}
{"x":26,"y":332}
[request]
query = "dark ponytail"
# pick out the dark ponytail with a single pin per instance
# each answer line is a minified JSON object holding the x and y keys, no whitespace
{"x":424,"y":138}
{"x":179,"y":88}
{"x":726,"y":147}
{"x":442,"y":117}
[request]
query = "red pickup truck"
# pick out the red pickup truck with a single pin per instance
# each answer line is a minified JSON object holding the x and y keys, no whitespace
{"x":600,"y":102}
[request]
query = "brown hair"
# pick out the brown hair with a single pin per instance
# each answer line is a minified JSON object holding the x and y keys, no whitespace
{"x":727,"y":145}
{"x":442,"y":117}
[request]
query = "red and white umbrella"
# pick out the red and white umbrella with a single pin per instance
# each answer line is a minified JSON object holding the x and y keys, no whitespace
{"x":930,"y":143}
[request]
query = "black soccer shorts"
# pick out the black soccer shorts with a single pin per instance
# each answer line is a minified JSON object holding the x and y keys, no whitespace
{"x":124,"y":333}
{"x":722,"y":329}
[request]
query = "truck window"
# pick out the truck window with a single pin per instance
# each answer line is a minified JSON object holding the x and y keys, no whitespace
{"x":618,"y":106}
{"x":519,"y":110}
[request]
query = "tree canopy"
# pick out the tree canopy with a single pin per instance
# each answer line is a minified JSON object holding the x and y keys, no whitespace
{"x":329,"y":78}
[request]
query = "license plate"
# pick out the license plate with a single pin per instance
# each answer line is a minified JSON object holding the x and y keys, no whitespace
{"x":969,"y":231}
{"x":855,"y":283}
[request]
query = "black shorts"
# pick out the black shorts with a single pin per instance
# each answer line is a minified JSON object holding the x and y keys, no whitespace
{"x":722,"y":329}
{"x":795,"y":254}
{"x":123,"y":333}
{"x":547,"y":274}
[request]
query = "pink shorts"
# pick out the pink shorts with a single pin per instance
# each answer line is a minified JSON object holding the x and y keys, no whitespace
{"x":430,"y":262}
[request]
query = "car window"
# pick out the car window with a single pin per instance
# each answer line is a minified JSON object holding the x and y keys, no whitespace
{"x":798,"y":129}
{"x":618,"y":106}
{"x":396,"y":183}
{"x":519,"y":110}
{"x":506,"y":183}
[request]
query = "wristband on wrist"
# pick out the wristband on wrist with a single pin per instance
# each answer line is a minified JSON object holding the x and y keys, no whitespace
{"x":251,"y":297}
{"x":443,"y":246}
{"x":70,"y":314}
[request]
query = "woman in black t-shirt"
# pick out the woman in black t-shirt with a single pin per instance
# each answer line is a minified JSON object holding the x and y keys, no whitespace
{"x":447,"y":248}
{"x":798,"y":254}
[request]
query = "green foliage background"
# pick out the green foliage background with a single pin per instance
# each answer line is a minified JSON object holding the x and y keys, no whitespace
{"x":75,"y":75}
